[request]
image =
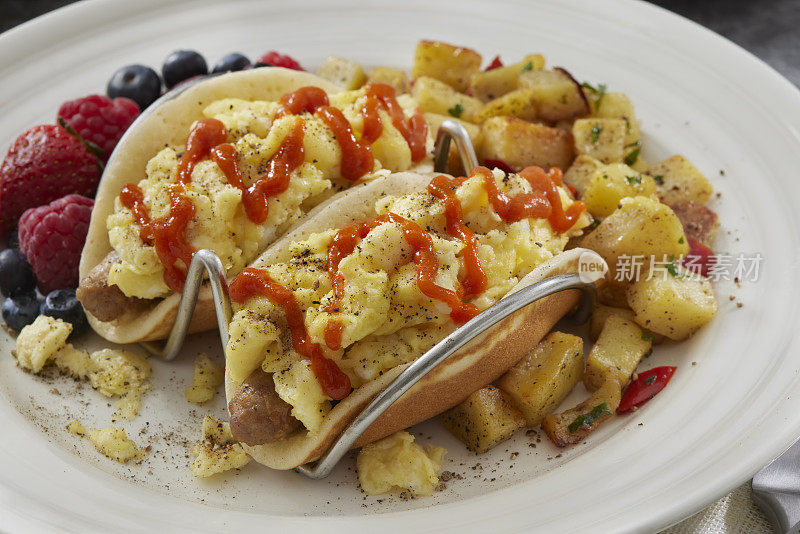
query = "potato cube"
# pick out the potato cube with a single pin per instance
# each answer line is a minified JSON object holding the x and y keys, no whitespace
{"x":677,"y":179}
{"x":491,"y":84}
{"x":643,"y":228}
{"x":453,"y":65}
{"x":520,"y":103}
{"x":580,"y":173}
{"x":674,"y":303}
{"x":454,"y":165}
{"x":434,"y":96}
{"x":543,"y":378}
{"x":619,"y":106}
{"x":602,"y":312}
{"x":602,"y":139}
{"x":619,"y":349}
{"x":558,"y":95}
{"x":343,"y":72}
{"x":613,"y":182}
{"x":397,"y":78}
{"x":483,"y":420}
{"x":521,"y":144}
{"x":572,"y":426}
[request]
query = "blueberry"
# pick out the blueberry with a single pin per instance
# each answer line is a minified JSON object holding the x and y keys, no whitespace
{"x":137,"y":82}
{"x":182,"y":65}
{"x":231,"y":63}
{"x":258,"y":64}
{"x":16,"y":275}
{"x":62,"y":304}
{"x":20,"y":311}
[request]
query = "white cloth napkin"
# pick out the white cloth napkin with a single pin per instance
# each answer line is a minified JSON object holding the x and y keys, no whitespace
{"x":734,"y":513}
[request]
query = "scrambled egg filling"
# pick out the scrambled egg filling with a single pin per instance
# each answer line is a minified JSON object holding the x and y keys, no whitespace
{"x":220,"y":223}
{"x":206,"y":380}
{"x":112,"y":372}
{"x":397,"y":463}
{"x":217,"y":451}
{"x":386,"y":319}
{"x":111,"y":442}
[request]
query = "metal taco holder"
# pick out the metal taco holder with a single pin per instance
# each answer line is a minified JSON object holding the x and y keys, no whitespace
{"x":206,"y":262}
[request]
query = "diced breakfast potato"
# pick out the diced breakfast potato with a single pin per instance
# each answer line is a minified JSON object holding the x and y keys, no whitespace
{"x":543,"y":378}
{"x":613,"y":182}
{"x":699,"y":222}
{"x":520,"y":103}
{"x":434,"y":96}
{"x":581,"y":172}
{"x":453,"y":65}
{"x":558,"y":95}
{"x":677,"y":179}
{"x":602,"y":312}
{"x":397,"y":78}
{"x":602,"y":139}
{"x":619,"y":106}
{"x":572,"y":426}
{"x":675,"y":304}
{"x":521,"y":144}
{"x":491,"y":84}
{"x":483,"y":420}
{"x":454,"y":165}
{"x":641,"y":227}
{"x":343,"y":72}
{"x":620,"y":347}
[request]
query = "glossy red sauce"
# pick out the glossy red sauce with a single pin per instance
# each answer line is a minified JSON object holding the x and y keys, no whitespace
{"x":424,"y":256}
{"x":255,"y":282}
{"x":205,"y":135}
{"x":166,"y":234}
{"x":357,"y":157}
{"x":413,"y":129}
{"x":443,"y":188}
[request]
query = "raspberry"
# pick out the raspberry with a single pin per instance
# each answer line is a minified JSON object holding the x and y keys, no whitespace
{"x":43,"y":164}
{"x":52,"y":238}
{"x":280,"y":60}
{"x":100,"y":120}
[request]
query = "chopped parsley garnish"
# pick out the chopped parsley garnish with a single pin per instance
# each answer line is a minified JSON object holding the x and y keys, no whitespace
{"x":595,"y":132}
{"x":672,"y":268}
{"x":600,"y":91}
{"x":456,"y":110}
{"x":563,"y":99}
{"x":650,"y":379}
{"x":595,"y":224}
{"x":648,"y":353}
{"x":647,"y":336}
{"x":681,"y":241}
{"x":584,"y":421}
{"x":528,"y":66}
{"x":632,"y":156}
{"x":636,"y":179}
{"x":659,"y":179}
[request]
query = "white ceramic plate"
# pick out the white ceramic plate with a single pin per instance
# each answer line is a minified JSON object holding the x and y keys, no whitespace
{"x":715,"y":425}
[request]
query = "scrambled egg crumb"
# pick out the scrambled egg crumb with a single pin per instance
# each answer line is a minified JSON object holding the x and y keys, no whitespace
{"x":217,"y":451}
{"x":111,"y":442}
{"x":397,"y":463}
{"x":38,"y":342}
{"x":112,"y":372}
{"x":207,"y":378}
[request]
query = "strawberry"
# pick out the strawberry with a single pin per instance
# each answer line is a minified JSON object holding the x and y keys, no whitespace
{"x":43,"y":164}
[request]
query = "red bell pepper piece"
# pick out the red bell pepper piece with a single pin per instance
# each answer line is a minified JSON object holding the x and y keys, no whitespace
{"x":495,"y":64}
{"x":700,"y":258}
{"x":645,"y":387}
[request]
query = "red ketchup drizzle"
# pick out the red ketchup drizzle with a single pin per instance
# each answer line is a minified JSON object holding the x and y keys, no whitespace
{"x":166,"y":234}
{"x":427,"y":263}
{"x":255,"y":282}
{"x":414,"y":129}
{"x":205,"y":135}
{"x":443,"y":188}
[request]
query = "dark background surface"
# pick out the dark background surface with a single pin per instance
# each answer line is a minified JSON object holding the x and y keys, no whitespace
{"x":768,"y":28}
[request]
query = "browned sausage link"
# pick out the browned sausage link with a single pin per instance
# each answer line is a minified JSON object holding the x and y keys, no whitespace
{"x":104,"y":301}
{"x":258,"y":414}
{"x":699,"y":222}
